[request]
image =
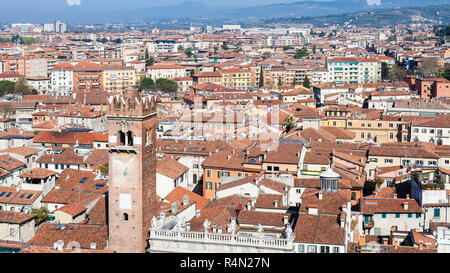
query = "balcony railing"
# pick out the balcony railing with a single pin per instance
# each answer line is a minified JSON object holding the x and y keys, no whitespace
{"x":215,"y":238}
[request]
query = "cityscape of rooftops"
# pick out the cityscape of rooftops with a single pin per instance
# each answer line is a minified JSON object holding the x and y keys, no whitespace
{"x":186,"y":128}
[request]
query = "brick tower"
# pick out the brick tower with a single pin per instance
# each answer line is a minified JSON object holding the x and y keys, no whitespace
{"x":132,"y":123}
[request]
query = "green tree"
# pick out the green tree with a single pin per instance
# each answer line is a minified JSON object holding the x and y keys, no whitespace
{"x":146,"y":83}
{"x":166,"y":85}
{"x":41,"y":213}
{"x":314,"y":49}
{"x":224,"y":47}
{"x":287,"y":48}
{"x":261,"y":77}
{"x":150,"y":61}
{"x":21,"y":87}
{"x":396,"y":74}
{"x":6,"y":87}
{"x":301,"y":52}
{"x":189,"y":52}
{"x":289,"y":124}
{"x":444,"y":73}
{"x":384,"y":71}
{"x":306,"y":83}
{"x":104,"y":170}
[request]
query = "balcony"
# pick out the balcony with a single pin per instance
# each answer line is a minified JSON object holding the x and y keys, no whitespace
{"x":215,"y":238}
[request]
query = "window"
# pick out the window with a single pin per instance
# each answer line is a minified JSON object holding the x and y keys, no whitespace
{"x":383,"y":215}
{"x":353,"y":195}
{"x":276,"y":169}
{"x":391,"y":135}
{"x":388,"y":160}
{"x":437,"y":213}
{"x":335,"y":249}
{"x":301,"y":248}
{"x":208,"y":173}
{"x":217,"y":185}
{"x":417,"y":215}
{"x":195,"y":166}
{"x":312,"y":249}
{"x":362,"y":134}
{"x":269,"y":168}
{"x":416,"y":130}
{"x":324,"y":249}
{"x":125,"y":216}
{"x":12,"y":232}
{"x":409,"y":215}
{"x":397,"y":215}
{"x":219,"y":174}
{"x":209,"y":185}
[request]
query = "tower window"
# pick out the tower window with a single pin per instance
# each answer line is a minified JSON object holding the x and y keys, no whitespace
{"x":130,"y":138}
{"x":122,"y":138}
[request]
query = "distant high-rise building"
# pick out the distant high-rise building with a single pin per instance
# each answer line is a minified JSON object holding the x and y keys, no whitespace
{"x":60,"y":27}
{"x":49,"y":27}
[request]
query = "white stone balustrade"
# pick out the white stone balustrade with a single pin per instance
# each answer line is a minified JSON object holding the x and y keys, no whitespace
{"x":214,"y":238}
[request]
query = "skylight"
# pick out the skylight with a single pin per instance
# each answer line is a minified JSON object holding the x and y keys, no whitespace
{"x":83,"y":180}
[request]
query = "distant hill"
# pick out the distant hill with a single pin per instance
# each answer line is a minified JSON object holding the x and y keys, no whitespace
{"x":377,"y":18}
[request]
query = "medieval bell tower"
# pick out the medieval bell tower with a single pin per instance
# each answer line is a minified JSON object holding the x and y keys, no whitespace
{"x":132,"y":123}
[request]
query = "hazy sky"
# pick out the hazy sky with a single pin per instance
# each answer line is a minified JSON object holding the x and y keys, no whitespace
{"x":119,"y":4}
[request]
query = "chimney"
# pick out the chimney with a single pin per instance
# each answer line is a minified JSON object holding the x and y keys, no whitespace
{"x":285,"y":219}
{"x":405,"y":205}
{"x":197,"y":213}
{"x":407,"y":196}
{"x":395,"y":244}
{"x":362,"y":240}
{"x":58,"y":245}
{"x":188,"y":226}
{"x":186,"y":200}
{"x":420,"y":245}
{"x":395,"y":195}
{"x":342,"y":220}
{"x":93,"y":246}
{"x":276,"y":203}
{"x":385,"y":241}
{"x":174,"y":208}
{"x":320,"y":195}
{"x":228,"y":157}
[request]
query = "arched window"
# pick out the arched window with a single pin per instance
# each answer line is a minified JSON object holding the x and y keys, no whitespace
{"x":122,"y":138}
{"x":125,"y":216}
{"x":130,"y":138}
